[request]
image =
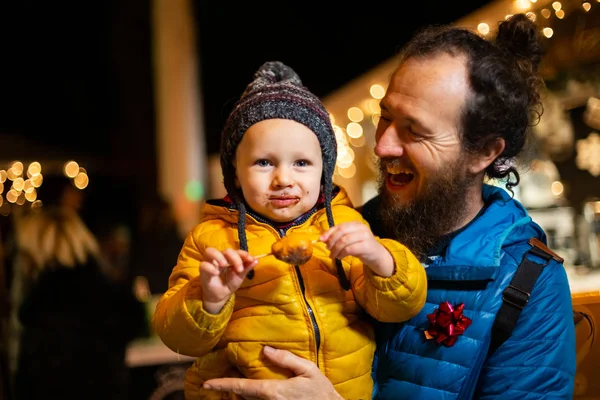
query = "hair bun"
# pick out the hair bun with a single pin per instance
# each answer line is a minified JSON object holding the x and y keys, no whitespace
{"x":519,"y":36}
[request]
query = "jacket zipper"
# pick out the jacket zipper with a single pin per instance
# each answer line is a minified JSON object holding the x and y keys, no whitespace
{"x":310,"y":312}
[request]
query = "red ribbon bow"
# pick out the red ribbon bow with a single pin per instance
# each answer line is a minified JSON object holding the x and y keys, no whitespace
{"x":446,"y":323}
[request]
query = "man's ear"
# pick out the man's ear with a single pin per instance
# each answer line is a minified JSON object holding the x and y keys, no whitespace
{"x":481,"y":161}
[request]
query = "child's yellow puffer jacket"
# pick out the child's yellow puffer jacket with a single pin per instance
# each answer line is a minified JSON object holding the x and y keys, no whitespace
{"x":301,"y":309}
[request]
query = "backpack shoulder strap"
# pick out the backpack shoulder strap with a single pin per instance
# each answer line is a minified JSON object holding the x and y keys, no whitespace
{"x":516,"y":295}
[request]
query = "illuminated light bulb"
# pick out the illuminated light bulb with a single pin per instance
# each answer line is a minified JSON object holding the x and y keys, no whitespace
{"x":523,"y":4}
{"x":556,"y":5}
{"x":557,"y":188}
{"x":483,"y":28}
{"x":546,"y":13}
{"x":36,"y":204}
{"x":1,"y":187}
{"x":373,"y":106}
{"x":37,"y":180}
{"x":12,"y":196}
{"x":355,"y":114}
{"x":11,"y":174}
{"x":28,"y":186}
{"x":71,"y":169}
{"x":17,"y":167}
{"x":377,"y":91}
{"x":21,"y":199}
{"x":31,"y":196}
{"x":548,"y":32}
{"x":354,"y":130}
{"x":18,"y":184}
{"x":358,"y":142}
{"x":81,"y":181}
{"x":586,"y":6}
{"x":3,"y":176}
{"x":375,"y":119}
{"x":35,"y":168}
{"x":560,"y":14}
{"x":348,"y":172}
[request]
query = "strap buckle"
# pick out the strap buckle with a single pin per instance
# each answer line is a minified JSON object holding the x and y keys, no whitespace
{"x":515,"y":296}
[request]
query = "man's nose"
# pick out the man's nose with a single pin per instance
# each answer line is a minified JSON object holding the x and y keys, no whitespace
{"x":388,"y":144}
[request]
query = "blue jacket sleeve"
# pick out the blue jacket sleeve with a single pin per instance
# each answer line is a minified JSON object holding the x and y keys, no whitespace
{"x":538,"y":359}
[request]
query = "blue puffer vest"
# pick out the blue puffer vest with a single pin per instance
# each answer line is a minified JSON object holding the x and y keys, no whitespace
{"x":536,"y":362}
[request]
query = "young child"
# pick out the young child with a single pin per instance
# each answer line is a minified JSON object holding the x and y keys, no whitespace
{"x":223,"y":305}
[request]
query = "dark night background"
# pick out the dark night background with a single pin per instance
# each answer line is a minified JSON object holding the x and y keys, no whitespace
{"x":77,"y":76}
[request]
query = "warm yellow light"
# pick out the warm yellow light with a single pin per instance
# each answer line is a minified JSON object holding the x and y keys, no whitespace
{"x":523,"y":4}
{"x":332,"y":119}
{"x":586,"y":6}
{"x":35,"y":168}
{"x":354,"y":129}
{"x":31,"y":196}
{"x":355,"y":114}
{"x":546,"y":13}
{"x":507,"y":16}
{"x":357,"y":142}
{"x":533,"y":1}
{"x":11,"y":174}
{"x":531,"y":16}
{"x":373,"y":106}
{"x":557,"y":188}
{"x":556,"y":5}
{"x":12,"y":196}
{"x":483,"y":28}
{"x":71,"y":169}
{"x":3,"y":176}
{"x":81,"y":180}
{"x":37,"y":180}
{"x":18,"y":184}
{"x":377,"y":91}
{"x":17,"y":167}
{"x":1,"y":187}
{"x":36,"y":204}
{"x":548,"y":32}
{"x":21,"y":199}
{"x":560,"y":14}
{"x":28,"y":186}
{"x":347,"y":172}
{"x":375,"y":119}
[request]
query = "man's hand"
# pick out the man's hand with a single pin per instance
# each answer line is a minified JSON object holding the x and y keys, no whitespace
{"x":356,"y":239}
{"x":309,"y":382}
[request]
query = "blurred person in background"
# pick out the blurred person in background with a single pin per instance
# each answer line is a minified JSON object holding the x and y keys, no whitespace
{"x":72,"y":323}
{"x":157,"y":245}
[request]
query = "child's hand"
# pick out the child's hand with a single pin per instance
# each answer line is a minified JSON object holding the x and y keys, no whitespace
{"x":356,"y":239}
{"x":222,"y":273}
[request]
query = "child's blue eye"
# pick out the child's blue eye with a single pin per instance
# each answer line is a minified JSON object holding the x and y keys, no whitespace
{"x":302,"y":163}
{"x":263,"y":163}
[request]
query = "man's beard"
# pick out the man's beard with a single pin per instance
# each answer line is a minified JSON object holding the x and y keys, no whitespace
{"x":434,"y":212}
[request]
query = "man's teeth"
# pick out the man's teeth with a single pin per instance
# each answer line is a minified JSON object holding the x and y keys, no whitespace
{"x":396,"y":171}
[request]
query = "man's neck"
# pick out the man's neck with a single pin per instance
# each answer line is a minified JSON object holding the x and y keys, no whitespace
{"x":473,"y":204}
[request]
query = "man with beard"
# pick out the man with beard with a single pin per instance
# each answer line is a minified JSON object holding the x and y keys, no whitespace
{"x":458,"y":110}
